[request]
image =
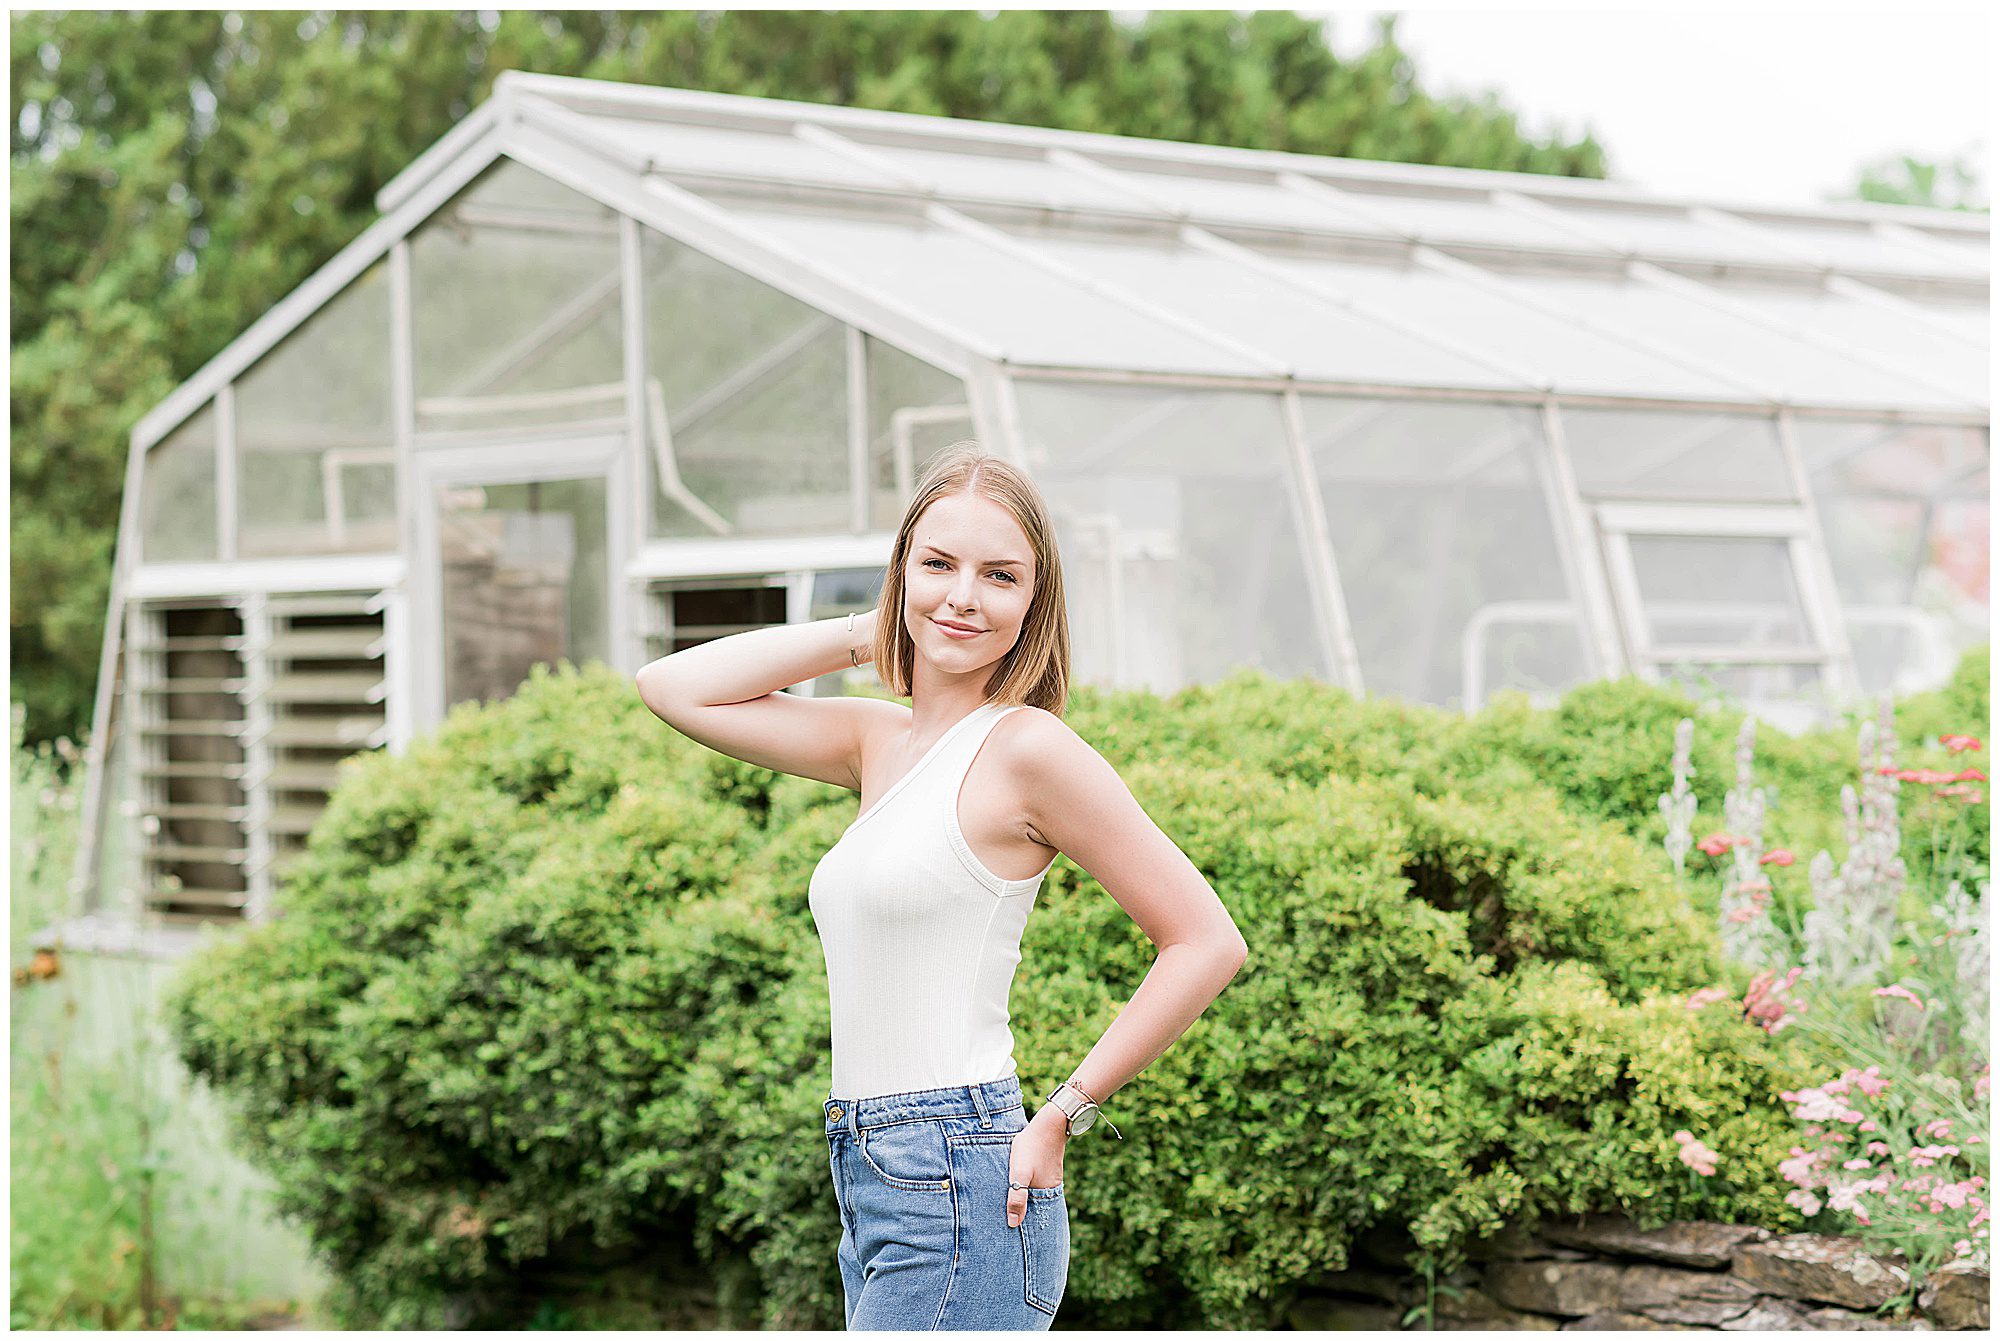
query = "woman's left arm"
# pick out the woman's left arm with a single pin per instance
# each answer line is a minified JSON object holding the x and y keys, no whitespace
{"x":1077,"y":803}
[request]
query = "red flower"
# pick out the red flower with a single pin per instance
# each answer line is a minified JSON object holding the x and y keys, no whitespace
{"x":1969,"y":775}
{"x":1959,"y":744}
{"x":1777,"y":856}
{"x":1716,"y":844}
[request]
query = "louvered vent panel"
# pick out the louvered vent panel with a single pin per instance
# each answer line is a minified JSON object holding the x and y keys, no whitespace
{"x":186,"y":674}
{"x":319,"y":693}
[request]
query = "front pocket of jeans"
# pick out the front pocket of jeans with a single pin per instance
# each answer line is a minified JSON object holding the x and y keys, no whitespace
{"x":1045,"y":1247}
{"x":908,"y":1155}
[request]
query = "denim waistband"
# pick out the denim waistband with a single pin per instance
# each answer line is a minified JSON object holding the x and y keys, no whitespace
{"x":980,"y":1101}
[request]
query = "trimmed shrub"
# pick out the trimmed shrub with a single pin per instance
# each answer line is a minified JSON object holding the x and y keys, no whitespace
{"x":546,"y":986}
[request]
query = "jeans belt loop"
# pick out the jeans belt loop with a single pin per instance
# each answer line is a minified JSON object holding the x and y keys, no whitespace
{"x":979,"y":1102}
{"x":853,"y":1125}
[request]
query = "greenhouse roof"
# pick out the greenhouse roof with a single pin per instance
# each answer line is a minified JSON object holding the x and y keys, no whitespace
{"x":1068,"y":253}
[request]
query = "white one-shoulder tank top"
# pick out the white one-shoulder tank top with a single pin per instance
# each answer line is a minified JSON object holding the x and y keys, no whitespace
{"x":921,"y":939}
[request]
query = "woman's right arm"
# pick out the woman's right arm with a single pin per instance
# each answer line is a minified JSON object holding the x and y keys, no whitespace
{"x":725,"y":694}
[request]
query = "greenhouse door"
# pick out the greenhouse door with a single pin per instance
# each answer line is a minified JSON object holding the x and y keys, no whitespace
{"x":514,"y":550}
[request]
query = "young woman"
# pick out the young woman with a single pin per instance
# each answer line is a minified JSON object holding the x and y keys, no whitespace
{"x":951,"y":1199}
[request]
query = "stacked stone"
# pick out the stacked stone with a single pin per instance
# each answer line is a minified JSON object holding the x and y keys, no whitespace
{"x":1605,"y":1273}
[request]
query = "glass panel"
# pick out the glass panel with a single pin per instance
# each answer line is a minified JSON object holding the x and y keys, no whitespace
{"x":915,"y":411}
{"x":1731,"y":591}
{"x":515,"y":307}
{"x":1316,"y":337}
{"x":1571,"y":357}
{"x":1856,"y":246}
{"x":523,"y":581}
{"x":177,"y":493}
{"x":1462,"y":220}
{"x":1256,"y":201}
{"x":1907,"y":523}
{"x":1907,"y":340}
{"x":1677,"y":454}
{"x":1790,"y":697}
{"x":1775,"y":362}
{"x":681,"y":148}
{"x":315,"y":433}
{"x":752,"y":385}
{"x":1173,"y":512}
{"x":1446,"y":545}
{"x":1666,"y":232}
{"x":963,"y":283}
{"x":982,"y":174}
{"x":836,"y":593}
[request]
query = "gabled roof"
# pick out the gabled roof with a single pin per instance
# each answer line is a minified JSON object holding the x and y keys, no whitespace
{"x":1036,"y":249}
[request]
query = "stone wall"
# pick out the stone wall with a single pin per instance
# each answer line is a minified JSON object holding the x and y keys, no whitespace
{"x":1605,"y":1273}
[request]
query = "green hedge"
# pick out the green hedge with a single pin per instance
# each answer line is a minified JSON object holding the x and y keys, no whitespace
{"x":547,"y":985}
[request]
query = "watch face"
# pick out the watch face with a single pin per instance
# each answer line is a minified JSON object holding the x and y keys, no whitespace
{"x":1081,"y":1123}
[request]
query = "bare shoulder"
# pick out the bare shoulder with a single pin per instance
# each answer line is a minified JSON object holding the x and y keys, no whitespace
{"x":1046,"y":759}
{"x":1037,"y":734}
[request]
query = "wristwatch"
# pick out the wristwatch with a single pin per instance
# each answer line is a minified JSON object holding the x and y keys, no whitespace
{"x":1081,"y":1110}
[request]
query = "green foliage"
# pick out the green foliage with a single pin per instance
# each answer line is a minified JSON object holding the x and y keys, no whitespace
{"x":175,"y":174}
{"x":547,"y":984}
{"x":1900,"y":179}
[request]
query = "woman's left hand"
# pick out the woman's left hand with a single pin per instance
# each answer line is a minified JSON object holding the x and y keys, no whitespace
{"x":1036,"y":1158}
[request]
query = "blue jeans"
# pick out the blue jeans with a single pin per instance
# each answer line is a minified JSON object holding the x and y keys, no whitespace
{"x":921,"y":1182}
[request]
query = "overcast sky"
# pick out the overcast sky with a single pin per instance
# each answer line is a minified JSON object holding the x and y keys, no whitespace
{"x":1759,"y":103}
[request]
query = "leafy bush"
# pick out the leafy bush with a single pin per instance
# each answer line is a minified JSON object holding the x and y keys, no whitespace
{"x":547,"y":985}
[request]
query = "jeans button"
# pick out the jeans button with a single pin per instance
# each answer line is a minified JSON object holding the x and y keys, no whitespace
{"x":834,"y":1112}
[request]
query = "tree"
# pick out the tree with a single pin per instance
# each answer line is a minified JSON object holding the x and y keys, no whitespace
{"x":175,"y":174}
{"x":1901,"y":179}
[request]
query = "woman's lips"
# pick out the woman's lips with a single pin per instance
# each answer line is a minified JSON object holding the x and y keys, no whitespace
{"x":960,"y":634}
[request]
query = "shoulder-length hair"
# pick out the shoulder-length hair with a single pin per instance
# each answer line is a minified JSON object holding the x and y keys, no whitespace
{"x":1036,"y":669}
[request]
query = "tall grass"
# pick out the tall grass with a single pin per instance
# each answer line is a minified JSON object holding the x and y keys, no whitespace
{"x":87,"y":1112}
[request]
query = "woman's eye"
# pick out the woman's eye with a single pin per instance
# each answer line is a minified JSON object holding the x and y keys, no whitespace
{"x":1001,"y":572}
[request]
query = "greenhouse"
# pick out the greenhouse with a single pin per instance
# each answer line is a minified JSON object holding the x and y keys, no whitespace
{"x":620,"y":369}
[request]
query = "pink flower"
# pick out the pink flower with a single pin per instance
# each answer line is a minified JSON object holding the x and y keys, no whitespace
{"x":1740,"y":914}
{"x":1959,"y":744}
{"x":1856,"y":1163}
{"x":1706,"y":996}
{"x":1877,"y":1147}
{"x":1718,"y":843}
{"x":1777,"y":856}
{"x":1814,"y":1105}
{"x":1754,"y":884}
{"x":1799,"y":1168}
{"x":1940,"y":1128}
{"x":1807,"y":1202}
{"x":1765,"y":1003}
{"x":1870,"y":1082}
{"x":1899,"y":990}
{"x":1969,"y":775}
{"x":1696,"y":1155}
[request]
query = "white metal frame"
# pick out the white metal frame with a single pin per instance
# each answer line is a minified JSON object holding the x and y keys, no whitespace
{"x":543,"y":122}
{"x":1826,"y":642}
{"x":534,"y":118}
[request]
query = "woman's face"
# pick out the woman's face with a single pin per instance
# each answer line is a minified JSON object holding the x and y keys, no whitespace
{"x":969,"y":563}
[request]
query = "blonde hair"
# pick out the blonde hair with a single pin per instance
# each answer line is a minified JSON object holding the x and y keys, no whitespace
{"x":1036,"y":669}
